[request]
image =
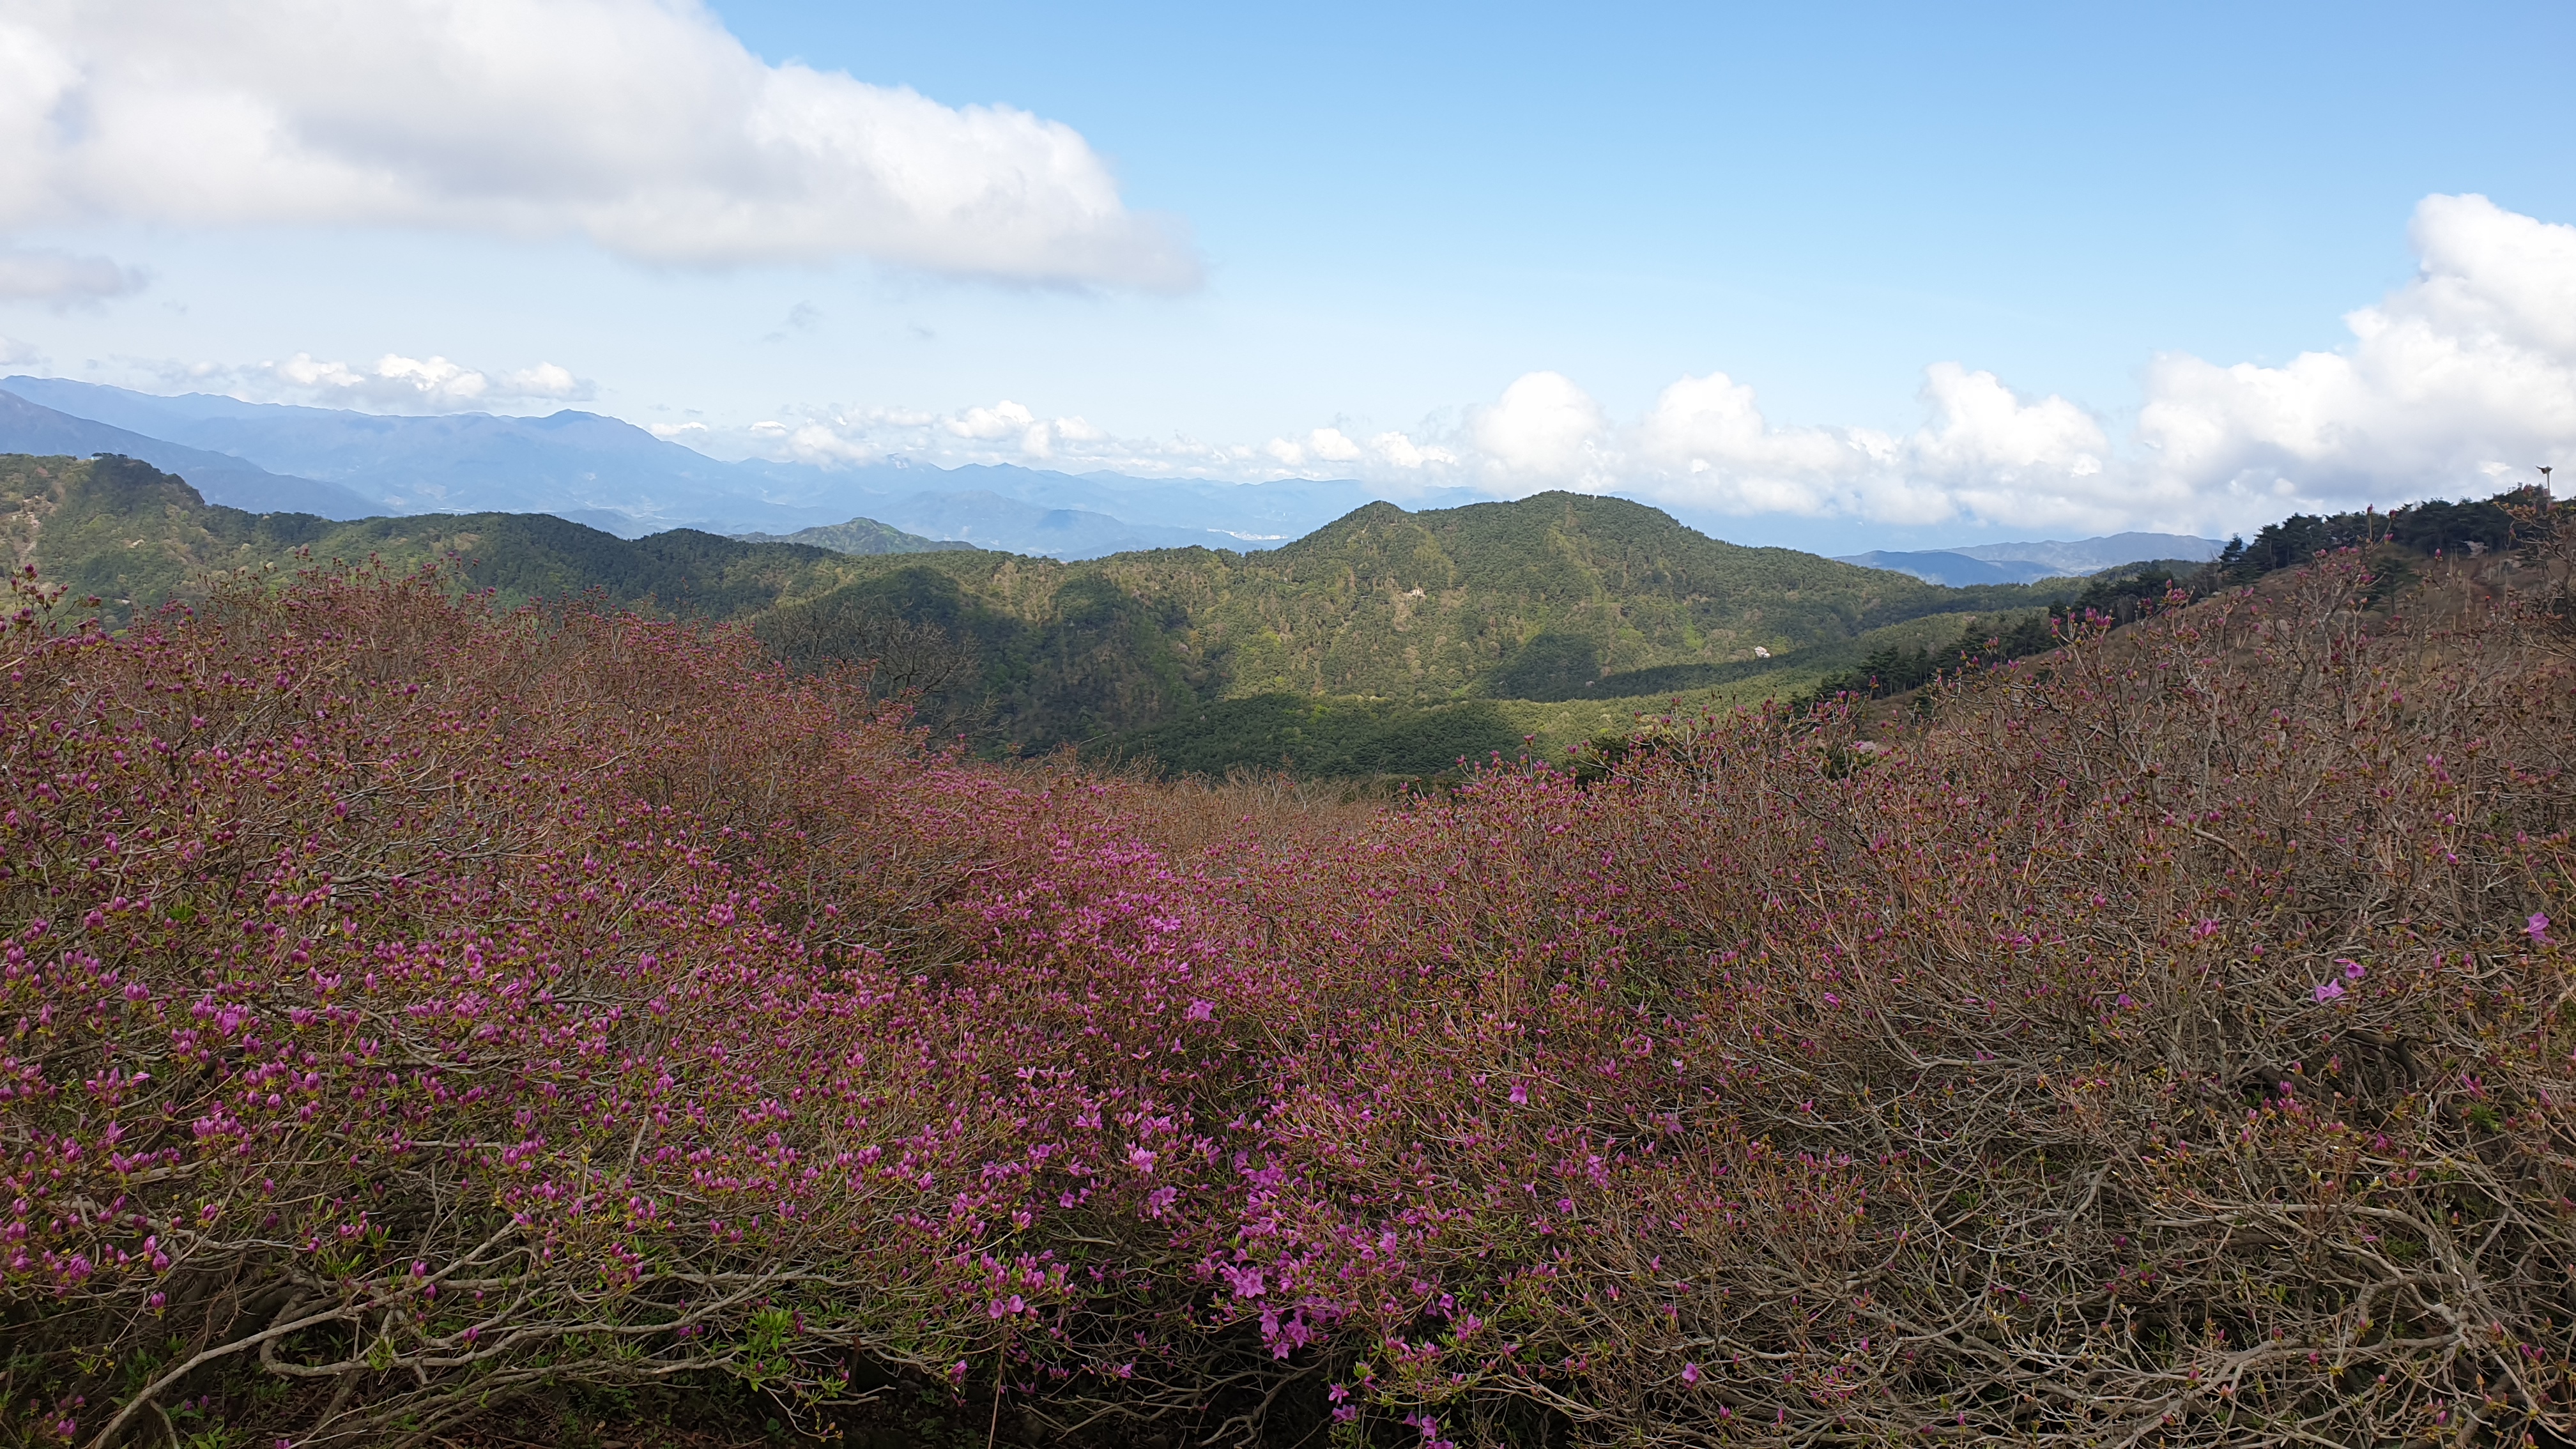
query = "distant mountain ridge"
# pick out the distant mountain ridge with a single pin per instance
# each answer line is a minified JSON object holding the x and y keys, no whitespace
{"x":1956,"y":570}
{"x":29,"y":427}
{"x":612,"y":475}
{"x":2087,"y":555}
{"x":2021,"y":563}
{"x":615,"y":476}
{"x":860,"y":537}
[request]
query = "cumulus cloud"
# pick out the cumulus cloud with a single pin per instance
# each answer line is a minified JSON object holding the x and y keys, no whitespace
{"x":2456,"y":383}
{"x":1705,"y":444}
{"x":998,"y":432}
{"x":431,"y":384}
{"x":641,"y":124}
{"x":1544,"y":430}
{"x":1014,"y":433}
{"x":14,"y":353}
{"x":392,"y":383}
{"x":62,"y":278}
{"x":2467,"y":372}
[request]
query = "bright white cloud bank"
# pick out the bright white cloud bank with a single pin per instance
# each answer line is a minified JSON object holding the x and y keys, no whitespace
{"x":392,"y":383}
{"x":2457,"y":382}
{"x":641,"y":124}
{"x":416,"y":384}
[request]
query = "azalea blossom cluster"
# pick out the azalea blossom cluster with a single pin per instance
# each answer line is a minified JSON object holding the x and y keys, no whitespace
{"x":421,"y":1007}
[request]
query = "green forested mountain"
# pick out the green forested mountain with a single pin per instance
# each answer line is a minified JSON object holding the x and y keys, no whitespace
{"x":1385,"y":642}
{"x":135,"y":537}
{"x":1557,"y":599}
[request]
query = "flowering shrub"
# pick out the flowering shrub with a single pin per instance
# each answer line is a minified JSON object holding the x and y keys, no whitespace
{"x":414,"y":1007}
{"x":423,"y":1004}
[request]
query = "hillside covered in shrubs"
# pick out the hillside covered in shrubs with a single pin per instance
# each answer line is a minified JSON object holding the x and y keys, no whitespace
{"x":422,"y":1014}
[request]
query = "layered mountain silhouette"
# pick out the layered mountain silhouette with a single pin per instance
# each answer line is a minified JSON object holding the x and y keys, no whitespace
{"x":27,"y":427}
{"x":620,"y":478}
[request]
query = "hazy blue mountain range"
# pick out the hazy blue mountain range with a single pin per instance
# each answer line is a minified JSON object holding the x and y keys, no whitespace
{"x":27,"y":427}
{"x":2022,"y":563}
{"x":2085,"y":555}
{"x":990,"y":520}
{"x":454,"y":463}
{"x":1219,"y":515}
{"x":860,"y":537}
{"x":617,"y":477}
{"x":1953,"y":569}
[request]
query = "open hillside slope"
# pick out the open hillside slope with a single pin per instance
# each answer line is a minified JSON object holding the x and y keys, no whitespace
{"x":426,"y":1014}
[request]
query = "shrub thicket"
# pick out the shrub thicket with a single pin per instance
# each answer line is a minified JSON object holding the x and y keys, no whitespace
{"x":415,"y":1009}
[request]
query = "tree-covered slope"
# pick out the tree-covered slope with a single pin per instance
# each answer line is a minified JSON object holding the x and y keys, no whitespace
{"x":1357,"y":648}
{"x":1554,"y":598}
{"x":135,"y":537}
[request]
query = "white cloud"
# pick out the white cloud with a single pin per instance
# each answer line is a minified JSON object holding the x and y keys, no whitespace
{"x":2467,"y":372}
{"x":406,"y":384}
{"x":63,"y":278}
{"x":2457,"y":383}
{"x":1000,"y":432}
{"x":1705,"y":444}
{"x":1322,"y":446}
{"x":1545,"y":430}
{"x":14,"y":352}
{"x":1002,"y":420}
{"x":641,"y":124}
{"x":2453,"y":384}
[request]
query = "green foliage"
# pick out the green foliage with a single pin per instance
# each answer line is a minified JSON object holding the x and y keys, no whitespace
{"x":1556,"y":598}
{"x":1549,"y":667}
{"x":1896,"y":668}
{"x":137,"y":537}
{"x":1358,"y":647}
{"x":1323,"y":736}
{"x":2434,"y":526}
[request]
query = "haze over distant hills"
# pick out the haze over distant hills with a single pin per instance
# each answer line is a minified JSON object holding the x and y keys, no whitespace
{"x":2022,"y":563}
{"x":620,"y":478}
{"x":26,"y":427}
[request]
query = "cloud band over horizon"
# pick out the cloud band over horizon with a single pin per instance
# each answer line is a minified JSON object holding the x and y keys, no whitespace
{"x":2463,"y":377}
{"x":2459,"y":380}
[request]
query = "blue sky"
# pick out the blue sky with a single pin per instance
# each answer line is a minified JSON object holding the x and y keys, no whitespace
{"x":1387,"y":223}
{"x":1819,"y":199}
